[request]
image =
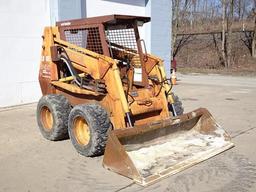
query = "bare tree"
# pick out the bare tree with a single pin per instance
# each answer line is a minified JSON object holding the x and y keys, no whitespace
{"x":214,"y":17}
{"x":181,"y":42}
{"x":178,"y":15}
{"x":249,"y":38}
{"x":176,"y":5}
{"x":224,"y":5}
{"x":254,"y":35}
{"x":229,"y":32}
{"x":221,"y":60}
{"x":239,"y":7}
{"x":254,"y":32}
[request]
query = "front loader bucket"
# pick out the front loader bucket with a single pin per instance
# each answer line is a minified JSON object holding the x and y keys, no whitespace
{"x":149,"y":153}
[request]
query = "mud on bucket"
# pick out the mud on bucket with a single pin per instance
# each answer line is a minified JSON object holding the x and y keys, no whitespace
{"x":150,"y":152}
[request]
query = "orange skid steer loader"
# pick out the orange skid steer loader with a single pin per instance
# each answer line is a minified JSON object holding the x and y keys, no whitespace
{"x":104,"y":91}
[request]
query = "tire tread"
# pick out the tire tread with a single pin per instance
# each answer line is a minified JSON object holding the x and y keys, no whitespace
{"x":99,"y":126}
{"x":60,"y":108}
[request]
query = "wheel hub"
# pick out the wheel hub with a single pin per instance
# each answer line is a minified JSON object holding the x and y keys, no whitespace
{"x":81,"y":131}
{"x":46,"y":118}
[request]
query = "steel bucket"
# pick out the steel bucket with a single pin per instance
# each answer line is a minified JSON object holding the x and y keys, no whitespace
{"x":151,"y":152}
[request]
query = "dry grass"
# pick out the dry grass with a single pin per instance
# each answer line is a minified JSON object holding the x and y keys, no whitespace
{"x":222,"y":71}
{"x":201,"y":56}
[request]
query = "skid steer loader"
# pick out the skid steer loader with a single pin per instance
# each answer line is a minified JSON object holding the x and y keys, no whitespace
{"x":109,"y":96}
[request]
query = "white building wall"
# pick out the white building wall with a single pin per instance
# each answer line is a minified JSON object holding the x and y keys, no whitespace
{"x":61,"y":10}
{"x":121,"y":7}
{"x":161,"y":31}
{"x":22,"y":23}
{"x":108,"y":7}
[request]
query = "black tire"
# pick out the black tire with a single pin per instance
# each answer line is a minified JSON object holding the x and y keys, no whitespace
{"x":56,"y":108}
{"x":177,"y":105}
{"x":96,"y":121}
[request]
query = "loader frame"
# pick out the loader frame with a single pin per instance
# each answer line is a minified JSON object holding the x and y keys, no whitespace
{"x":96,"y":60}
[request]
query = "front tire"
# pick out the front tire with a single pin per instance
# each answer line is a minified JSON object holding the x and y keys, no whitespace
{"x":88,"y":125}
{"x":52,"y":117}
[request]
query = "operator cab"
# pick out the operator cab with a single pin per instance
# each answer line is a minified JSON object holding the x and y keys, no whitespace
{"x":116,"y":36}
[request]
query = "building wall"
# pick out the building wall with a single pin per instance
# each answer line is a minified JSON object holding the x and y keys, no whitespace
{"x":121,"y":7}
{"x":67,"y":9}
{"x":108,"y":7}
{"x":161,"y":31}
{"x":22,"y":25}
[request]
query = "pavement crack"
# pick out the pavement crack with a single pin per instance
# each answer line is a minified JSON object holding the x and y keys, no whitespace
{"x":125,"y":187}
{"x":243,"y":132}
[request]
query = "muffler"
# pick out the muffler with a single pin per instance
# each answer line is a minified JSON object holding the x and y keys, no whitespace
{"x":151,"y":152}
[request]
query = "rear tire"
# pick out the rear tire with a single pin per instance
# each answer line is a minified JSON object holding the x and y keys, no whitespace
{"x":177,"y":105}
{"x":52,"y":117}
{"x":88,"y":129}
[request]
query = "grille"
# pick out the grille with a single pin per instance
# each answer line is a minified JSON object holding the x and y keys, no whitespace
{"x":123,"y":44}
{"x":88,"y":38}
{"x":122,"y":39}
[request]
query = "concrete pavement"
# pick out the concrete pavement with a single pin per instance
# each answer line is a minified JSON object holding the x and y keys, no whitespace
{"x":28,"y":162}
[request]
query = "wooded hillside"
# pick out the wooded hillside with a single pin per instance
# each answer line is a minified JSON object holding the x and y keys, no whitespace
{"x":214,"y":33}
